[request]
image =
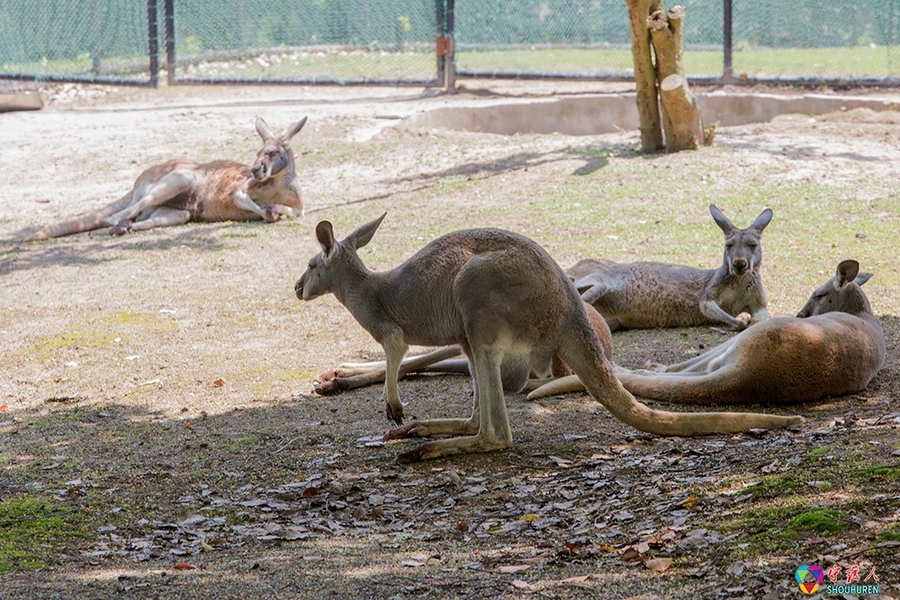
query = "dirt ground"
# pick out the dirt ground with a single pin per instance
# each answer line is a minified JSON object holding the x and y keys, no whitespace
{"x":156,"y":388}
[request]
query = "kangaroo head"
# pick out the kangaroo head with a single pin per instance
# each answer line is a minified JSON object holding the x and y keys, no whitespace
{"x":841,"y":293}
{"x":275,"y":157}
{"x":743,"y":251}
{"x":338,"y":263}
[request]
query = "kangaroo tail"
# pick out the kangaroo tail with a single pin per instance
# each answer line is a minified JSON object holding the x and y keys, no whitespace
{"x":86,"y":223}
{"x":586,"y":359}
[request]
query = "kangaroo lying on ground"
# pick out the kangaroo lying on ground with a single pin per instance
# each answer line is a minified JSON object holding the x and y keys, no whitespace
{"x":645,"y":295}
{"x":503,"y":300}
{"x":834,"y":346}
{"x":178,"y":191}
{"x":350,"y":376}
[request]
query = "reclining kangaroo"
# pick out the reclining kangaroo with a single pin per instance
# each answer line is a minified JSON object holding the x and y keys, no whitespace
{"x":646,"y":295}
{"x":639,"y":295}
{"x":834,"y":346}
{"x":503,"y":300}
{"x":350,"y":376}
{"x":178,"y":191}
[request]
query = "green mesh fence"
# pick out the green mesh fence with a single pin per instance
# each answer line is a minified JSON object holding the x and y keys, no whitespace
{"x":817,"y":38}
{"x":90,"y":40}
{"x":346,"y":41}
{"x":393,"y":41}
{"x":791,"y":39}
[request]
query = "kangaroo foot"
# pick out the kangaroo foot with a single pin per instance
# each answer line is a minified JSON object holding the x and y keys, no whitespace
{"x":411,"y":456}
{"x":652,"y":365}
{"x":329,"y":383}
{"x":121,"y":228}
{"x":413,"y":429}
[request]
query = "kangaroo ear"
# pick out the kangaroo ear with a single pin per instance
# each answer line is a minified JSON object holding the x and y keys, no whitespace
{"x":363,"y":235}
{"x":762,"y":220}
{"x":263,"y":130}
{"x":862,"y":278}
{"x":847,"y":271}
{"x":325,"y":235}
{"x":721,"y":220}
{"x":293,"y":130}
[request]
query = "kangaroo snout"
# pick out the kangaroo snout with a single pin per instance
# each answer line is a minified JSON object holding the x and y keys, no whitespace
{"x":259,"y":171}
{"x":298,"y":288}
{"x":739,"y":265}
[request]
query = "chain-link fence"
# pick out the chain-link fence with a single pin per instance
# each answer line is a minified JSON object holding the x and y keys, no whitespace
{"x":345,"y":41}
{"x":408,"y":41}
{"x":78,"y":40}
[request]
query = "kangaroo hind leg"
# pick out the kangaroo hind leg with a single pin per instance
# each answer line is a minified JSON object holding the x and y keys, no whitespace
{"x":493,"y":431}
{"x":147,"y":195}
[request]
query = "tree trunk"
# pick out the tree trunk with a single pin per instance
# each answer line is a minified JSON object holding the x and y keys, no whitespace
{"x":645,"y":74}
{"x":681,"y":114}
{"x":680,"y":107}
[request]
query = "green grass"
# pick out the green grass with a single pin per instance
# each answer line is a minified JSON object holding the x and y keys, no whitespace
{"x":857,"y":61}
{"x":420,"y":64}
{"x":31,"y":528}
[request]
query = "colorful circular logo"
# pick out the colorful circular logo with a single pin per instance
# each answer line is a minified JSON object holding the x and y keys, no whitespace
{"x":809,"y":577}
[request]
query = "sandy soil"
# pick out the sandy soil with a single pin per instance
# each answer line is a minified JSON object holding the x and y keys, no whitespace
{"x":161,"y":382}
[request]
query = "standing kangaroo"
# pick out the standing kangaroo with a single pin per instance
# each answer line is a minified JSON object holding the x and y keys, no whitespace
{"x":178,"y":191}
{"x":646,"y":295}
{"x":834,"y":346}
{"x":503,"y":300}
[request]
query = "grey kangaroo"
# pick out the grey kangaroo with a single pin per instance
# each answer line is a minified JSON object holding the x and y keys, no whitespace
{"x":834,"y":346}
{"x":646,"y":295}
{"x":178,"y":191}
{"x":510,"y":307}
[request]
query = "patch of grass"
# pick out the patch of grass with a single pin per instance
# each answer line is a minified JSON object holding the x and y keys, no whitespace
{"x":99,"y":330}
{"x":820,"y":451}
{"x":30,"y":528}
{"x":817,"y":520}
{"x":771,"y":529}
{"x":879,"y":472}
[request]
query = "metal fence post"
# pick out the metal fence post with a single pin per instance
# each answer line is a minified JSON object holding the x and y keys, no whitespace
{"x":446,"y":71}
{"x":728,"y":74}
{"x":441,"y":21}
{"x":154,"y":43}
{"x":169,"y":8}
{"x":450,"y":59}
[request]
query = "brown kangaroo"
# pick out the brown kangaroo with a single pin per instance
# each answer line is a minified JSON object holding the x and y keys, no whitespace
{"x":834,"y":346}
{"x":178,"y":191}
{"x":646,"y":295}
{"x":510,"y":307}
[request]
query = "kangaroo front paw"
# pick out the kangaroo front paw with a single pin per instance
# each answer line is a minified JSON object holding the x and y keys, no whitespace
{"x":394,"y":414}
{"x":271,"y":214}
{"x":121,"y":228}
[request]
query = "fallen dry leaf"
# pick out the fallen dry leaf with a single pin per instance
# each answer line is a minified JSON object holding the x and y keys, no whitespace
{"x":513,"y":568}
{"x":219,"y":382}
{"x":183,"y":566}
{"x":574,"y":580}
{"x":658,"y":564}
